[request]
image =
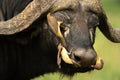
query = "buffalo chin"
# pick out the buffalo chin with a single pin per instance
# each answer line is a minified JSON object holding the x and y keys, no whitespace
{"x":70,"y":70}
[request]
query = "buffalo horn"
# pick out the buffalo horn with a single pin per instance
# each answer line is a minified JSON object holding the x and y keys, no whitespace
{"x":105,"y":27}
{"x":24,"y":19}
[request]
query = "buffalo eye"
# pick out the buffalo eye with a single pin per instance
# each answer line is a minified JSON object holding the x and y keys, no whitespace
{"x":65,"y":28}
{"x":93,"y":22}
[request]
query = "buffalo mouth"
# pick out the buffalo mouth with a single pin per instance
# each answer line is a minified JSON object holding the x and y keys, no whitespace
{"x":64,"y":55}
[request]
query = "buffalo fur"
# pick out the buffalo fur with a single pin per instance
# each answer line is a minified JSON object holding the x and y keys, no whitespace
{"x":29,"y":53}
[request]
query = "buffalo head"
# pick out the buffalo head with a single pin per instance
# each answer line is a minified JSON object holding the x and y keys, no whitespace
{"x":74,"y":23}
{"x":75,"y":27}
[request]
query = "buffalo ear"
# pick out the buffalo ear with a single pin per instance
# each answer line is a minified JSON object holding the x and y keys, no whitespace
{"x":55,"y":27}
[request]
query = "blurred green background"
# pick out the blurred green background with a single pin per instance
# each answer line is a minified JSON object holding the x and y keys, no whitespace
{"x":108,"y":51}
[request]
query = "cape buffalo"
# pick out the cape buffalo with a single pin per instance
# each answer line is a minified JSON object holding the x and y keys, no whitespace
{"x":43,"y":36}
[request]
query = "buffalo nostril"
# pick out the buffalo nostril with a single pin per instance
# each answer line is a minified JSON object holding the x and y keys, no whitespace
{"x":79,"y":54}
{"x":77,"y":58}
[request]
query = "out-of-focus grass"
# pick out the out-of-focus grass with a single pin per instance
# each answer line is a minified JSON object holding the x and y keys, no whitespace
{"x":108,"y":51}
